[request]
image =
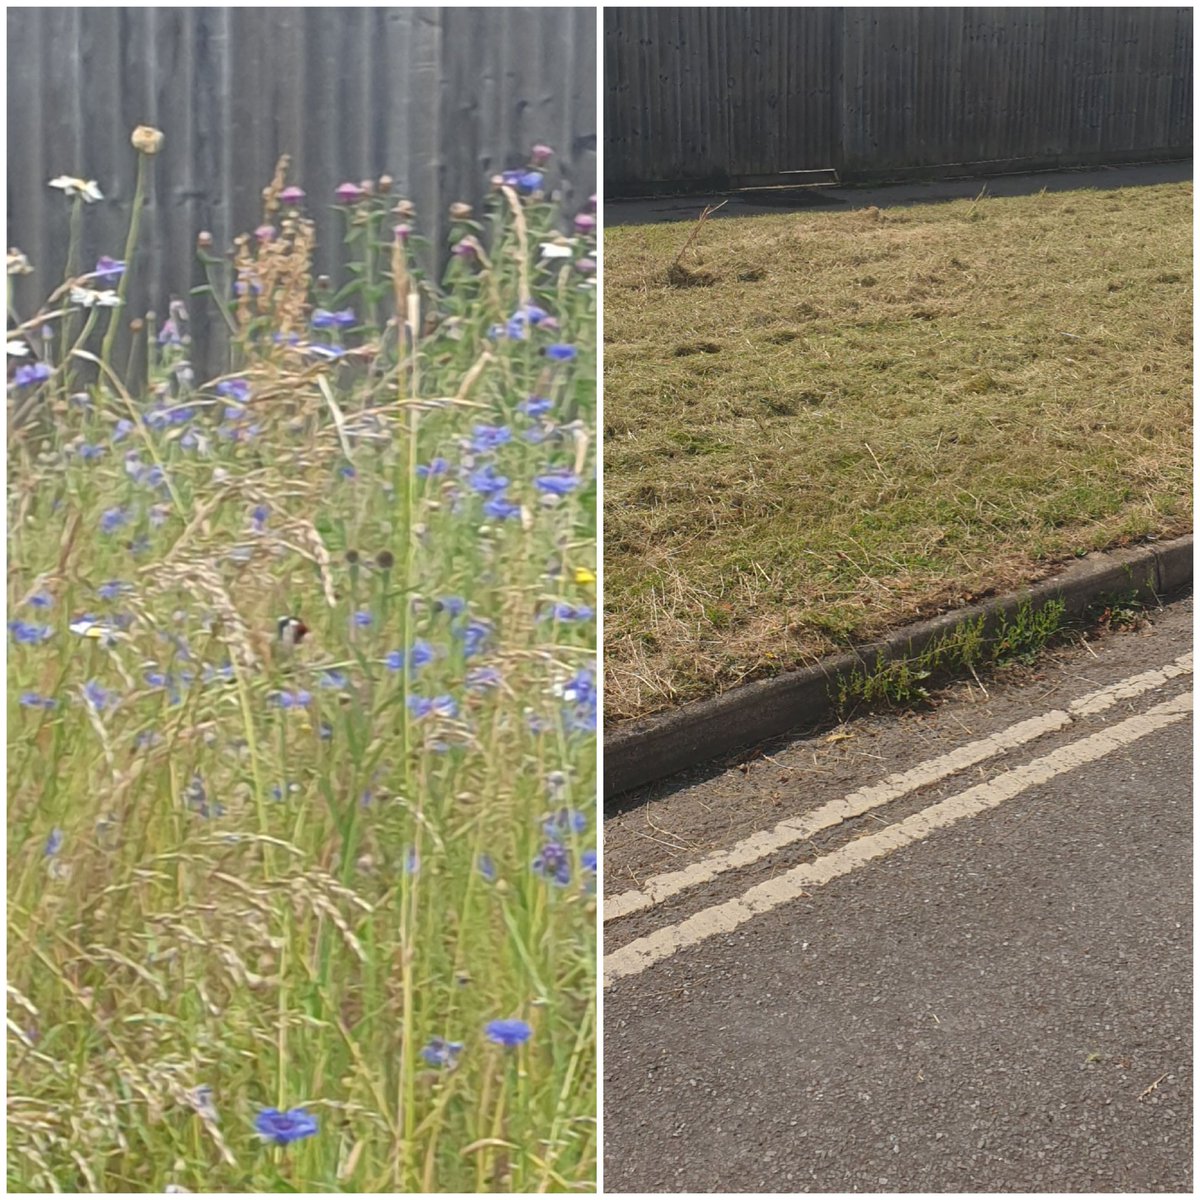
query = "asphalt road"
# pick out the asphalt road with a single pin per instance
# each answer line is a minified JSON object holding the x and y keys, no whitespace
{"x":981,"y":983}
{"x":760,"y":201}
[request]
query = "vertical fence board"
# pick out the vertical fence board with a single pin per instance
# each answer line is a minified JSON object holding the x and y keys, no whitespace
{"x":695,"y":97}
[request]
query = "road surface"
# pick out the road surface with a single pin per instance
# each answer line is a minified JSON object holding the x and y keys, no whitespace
{"x":938,"y":951}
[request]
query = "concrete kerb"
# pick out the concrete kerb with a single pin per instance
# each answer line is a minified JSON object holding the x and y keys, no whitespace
{"x":641,"y":752}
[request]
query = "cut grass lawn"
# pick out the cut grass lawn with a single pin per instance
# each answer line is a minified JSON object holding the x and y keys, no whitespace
{"x":833,"y":424}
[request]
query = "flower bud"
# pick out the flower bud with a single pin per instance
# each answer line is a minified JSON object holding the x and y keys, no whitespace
{"x":147,"y":140}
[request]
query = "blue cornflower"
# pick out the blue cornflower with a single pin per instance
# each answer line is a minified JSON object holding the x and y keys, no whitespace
{"x":499,"y":509}
{"x":333,"y":679}
{"x":123,"y":429}
{"x":26,"y":634}
{"x":362,"y":618}
{"x":258,"y":517}
{"x":112,"y":589}
{"x":480,"y":679}
{"x":561,"y":352}
{"x":565,"y":821}
{"x":441,"y":706}
{"x":442,"y":1054}
{"x":536,"y":406}
{"x":570,"y":612}
{"x":41,"y":600}
{"x":284,"y":1127}
{"x":90,"y":453}
{"x":421,"y":654}
{"x":323,"y":351}
{"x":487,"y":482}
{"x":474,"y":634}
{"x":560,"y":483}
{"x":530,"y":181}
{"x":587,"y":860}
{"x":395,"y":661}
{"x":322,"y":319}
{"x":437,"y":466}
{"x":34,"y":700}
{"x":54,"y":843}
{"x":234,"y":389}
{"x":412,"y":861}
{"x":300,"y":699}
{"x":346,"y":471}
{"x":489,"y":437}
{"x":554,"y":863}
{"x":113,"y":519}
{"x":581,"y":688}
{"x":486,"y":867}
{"x":108,"y":271}
{"x":519,"y":323}
{"x":99,"y":697}
{"x":508,"y":1032}
{"x":34,"y":373}
{"x":454,"y":605}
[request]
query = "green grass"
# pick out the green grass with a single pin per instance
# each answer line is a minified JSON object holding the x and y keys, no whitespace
{"x":832,"y":424}
{"x":281,"y":876}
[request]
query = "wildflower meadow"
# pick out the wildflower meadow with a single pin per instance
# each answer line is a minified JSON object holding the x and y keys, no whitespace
{"x":302,"y":706}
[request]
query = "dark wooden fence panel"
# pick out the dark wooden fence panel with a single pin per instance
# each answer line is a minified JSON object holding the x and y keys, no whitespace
{"x":438,"y":98}
{"x":705,"y":97}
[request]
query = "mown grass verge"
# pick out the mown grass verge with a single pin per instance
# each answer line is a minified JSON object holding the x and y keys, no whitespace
{"x":821,"y":426}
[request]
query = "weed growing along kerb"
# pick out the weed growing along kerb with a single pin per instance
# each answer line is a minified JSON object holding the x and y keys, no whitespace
{"x":302,"y":716}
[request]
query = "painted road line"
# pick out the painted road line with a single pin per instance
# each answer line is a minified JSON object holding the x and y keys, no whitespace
{"x":798,"y":829}
{"x":638,"y":955}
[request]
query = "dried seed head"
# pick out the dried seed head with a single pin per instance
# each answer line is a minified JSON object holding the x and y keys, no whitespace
{"x":385,"y":560}
{"x":368,"y":187}
{"x":497,"y":182}
{"x":147,"y":140}
{"x":405,"y":209}
{"x":137,"y":325}
{"x":460,"y":211}
{"x":204,"y":240}
{"x":385,"y":184}
{"x":352,"y":557}
{"x":323,"y":283}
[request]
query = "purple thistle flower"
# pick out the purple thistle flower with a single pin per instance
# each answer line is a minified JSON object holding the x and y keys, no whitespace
{"x":508,"y":1033}
{"x":463,"y":249}
{"x":540,"y":154}
{"x":348,"y":193}
{"x":585,"y":223}
{"x":265,"y":233}
{"x":585,"y":265}
{"x":291,"y":195}
{"x":285,"y":1127}
{"x":401,"y":232}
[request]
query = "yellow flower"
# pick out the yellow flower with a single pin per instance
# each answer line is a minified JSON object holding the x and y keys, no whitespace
{"x":584,"y":576}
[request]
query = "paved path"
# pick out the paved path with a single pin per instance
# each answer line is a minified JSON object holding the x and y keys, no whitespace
{"x":774,"y":200}
{"x":946,"y":951}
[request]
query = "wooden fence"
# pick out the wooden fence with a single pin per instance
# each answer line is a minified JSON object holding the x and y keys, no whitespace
{"x":699,"y":98}
{"x":438,"y":98}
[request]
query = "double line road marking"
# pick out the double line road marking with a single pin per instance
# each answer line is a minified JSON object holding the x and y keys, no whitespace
{"x":644,"y":952}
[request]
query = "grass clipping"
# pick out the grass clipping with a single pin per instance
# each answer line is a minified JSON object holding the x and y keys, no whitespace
{"x":868,"y":417}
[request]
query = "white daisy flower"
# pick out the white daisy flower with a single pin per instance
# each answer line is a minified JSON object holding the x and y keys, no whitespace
{"x":17,"y":349}
{"x":557,"y":250}
{"x":78,"y":187}
{"x":90,"y":298}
